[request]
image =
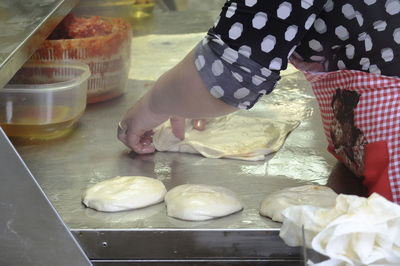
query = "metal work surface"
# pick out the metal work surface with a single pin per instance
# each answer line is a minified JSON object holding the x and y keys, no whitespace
{"x":91,"y":153}
{"x":66,"y":167}
{"x":31,"y":232}
{"x":23,"y":27}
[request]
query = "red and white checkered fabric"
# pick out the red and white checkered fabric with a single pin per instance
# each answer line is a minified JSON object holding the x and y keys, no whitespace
{"x":377,"y":113}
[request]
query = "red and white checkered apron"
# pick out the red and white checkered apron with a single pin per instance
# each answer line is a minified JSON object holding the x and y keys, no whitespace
{"x":369,"y":123}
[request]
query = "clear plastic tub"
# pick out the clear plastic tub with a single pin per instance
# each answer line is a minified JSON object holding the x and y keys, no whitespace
{"x":108,"y":58}
{"x":44,"y":101}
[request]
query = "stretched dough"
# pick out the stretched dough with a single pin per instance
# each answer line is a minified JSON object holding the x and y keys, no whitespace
{"x":233,"y":136}
{"x":315,"y":195}
{"x":195,"y":202}
{"x":123,"y":193}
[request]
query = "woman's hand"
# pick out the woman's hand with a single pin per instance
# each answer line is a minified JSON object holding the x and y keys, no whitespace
{"x":139,"y":122}
{"x":178,"y":93}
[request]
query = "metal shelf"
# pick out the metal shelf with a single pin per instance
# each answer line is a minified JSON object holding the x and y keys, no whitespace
{"x":24,"y":25}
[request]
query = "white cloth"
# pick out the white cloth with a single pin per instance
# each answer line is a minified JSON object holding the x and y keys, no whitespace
{"x":356,"y":231}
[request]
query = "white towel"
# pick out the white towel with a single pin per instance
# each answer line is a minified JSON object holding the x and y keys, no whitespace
{"x":356,"y":231}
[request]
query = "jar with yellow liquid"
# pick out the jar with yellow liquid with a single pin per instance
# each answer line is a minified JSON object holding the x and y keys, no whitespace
{"x":44,"y":101}
{"x":125,"y":9}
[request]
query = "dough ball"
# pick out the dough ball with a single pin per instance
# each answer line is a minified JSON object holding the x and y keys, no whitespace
{"x":123,"y":193}
{"x":201,"y":202}
{"x":274,"y":203}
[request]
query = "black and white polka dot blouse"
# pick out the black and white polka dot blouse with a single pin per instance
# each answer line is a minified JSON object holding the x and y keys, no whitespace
{"x":240,"y":58}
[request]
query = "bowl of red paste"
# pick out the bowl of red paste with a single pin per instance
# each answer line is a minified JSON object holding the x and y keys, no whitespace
{"x":103,"y":43}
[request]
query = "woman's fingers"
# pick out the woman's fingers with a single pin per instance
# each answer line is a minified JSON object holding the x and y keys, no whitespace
{"x":141,"y":141}
{"x":141,"y":144}
{"x":136,"y":128}
{"x":178,"y":127}
{"x":147,"y":138}
{"x":199,"y":124}
{"x":140,"y":148}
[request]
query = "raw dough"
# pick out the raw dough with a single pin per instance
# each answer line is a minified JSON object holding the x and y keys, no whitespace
{"x":233,"y":136}
{"x":201,"y":202}
{"x":123,"y":193}
{"x":315,"y":195}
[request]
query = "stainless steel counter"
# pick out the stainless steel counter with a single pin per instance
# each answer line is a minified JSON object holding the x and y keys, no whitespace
{"x":91,"y":153}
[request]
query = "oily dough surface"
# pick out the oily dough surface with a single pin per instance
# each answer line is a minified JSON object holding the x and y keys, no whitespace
{"x":123,"y":193}
{"x":233,"y":136}
{"x":196,"y":202}
{"x":315,"y":195}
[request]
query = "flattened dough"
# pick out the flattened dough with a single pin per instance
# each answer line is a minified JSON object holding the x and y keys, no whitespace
{"x":195,"y":202}
{"x":315,"y":195}
{"x":123,"y":193}
{"x":233,"y":136}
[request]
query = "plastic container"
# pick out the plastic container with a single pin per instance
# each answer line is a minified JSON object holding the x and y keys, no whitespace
{"x":108,"y":58}
{"x":43,"y":101}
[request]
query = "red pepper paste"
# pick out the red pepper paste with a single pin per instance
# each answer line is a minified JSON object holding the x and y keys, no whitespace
{"x":75,"y":28}
{"x":101,"y":42}
{"x":101,"y":37}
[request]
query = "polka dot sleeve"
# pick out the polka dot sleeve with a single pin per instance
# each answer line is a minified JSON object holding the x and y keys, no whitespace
{"x":241,"y":57}
{"x":230,"y":75}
